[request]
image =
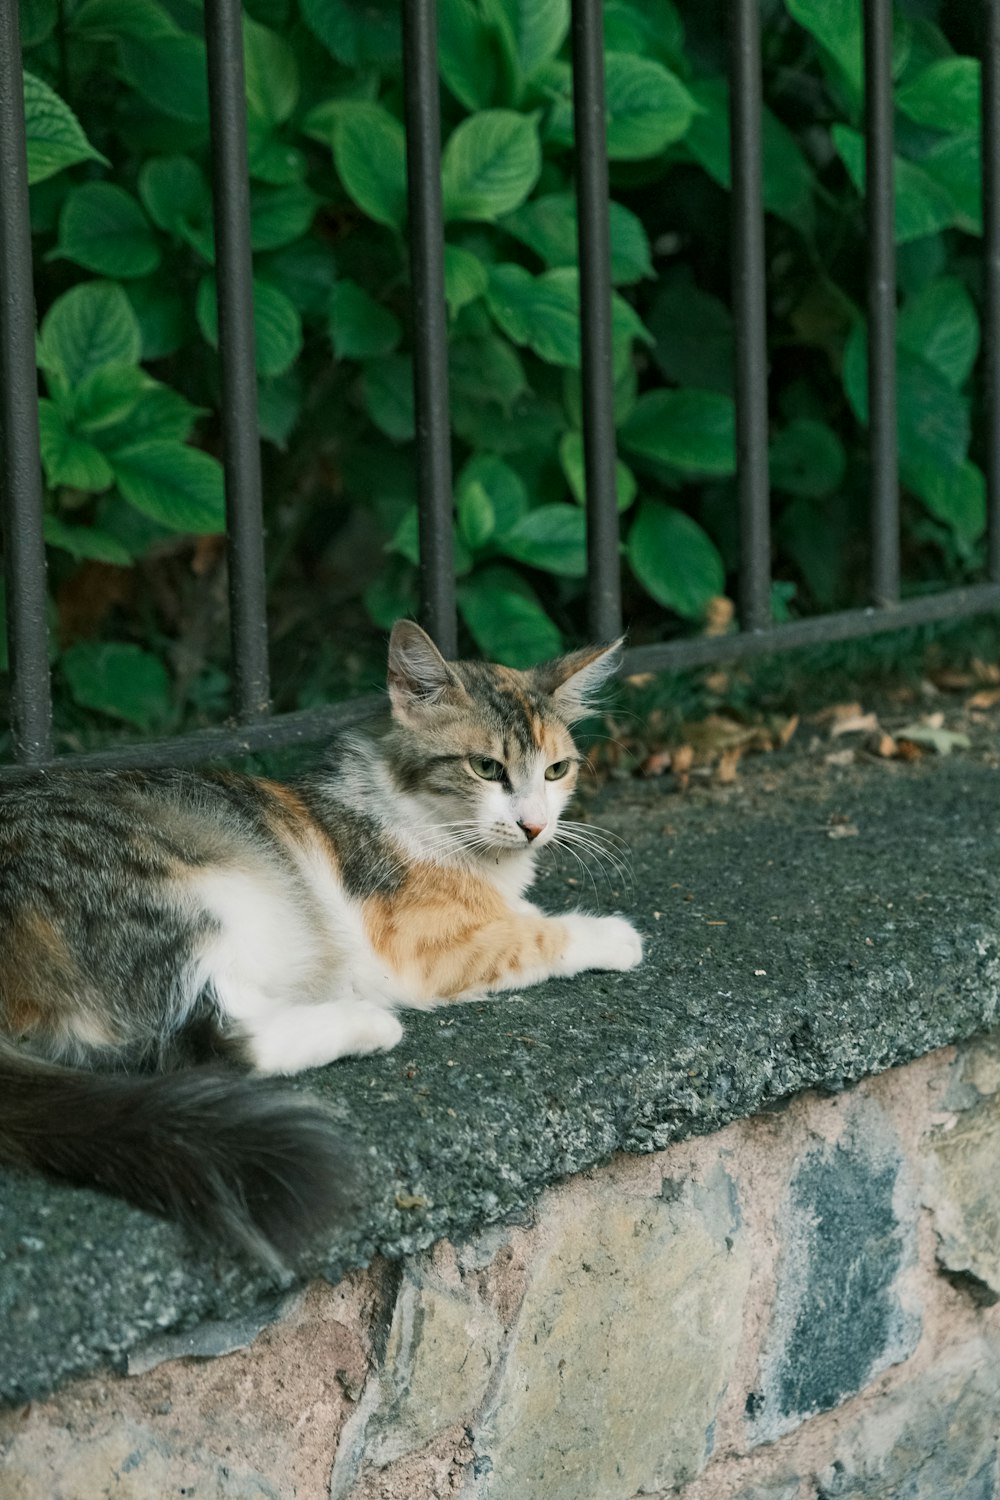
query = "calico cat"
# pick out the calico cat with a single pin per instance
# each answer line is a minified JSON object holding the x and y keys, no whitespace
{"x":148,"y":919}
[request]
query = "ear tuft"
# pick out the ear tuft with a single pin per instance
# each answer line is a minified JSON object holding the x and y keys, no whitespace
{"x":573,"y":681}
{"x":418,"y":674}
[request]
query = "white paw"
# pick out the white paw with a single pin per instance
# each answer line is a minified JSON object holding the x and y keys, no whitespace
{"x":310,"y":1036}
{"x":379,"y":1031}
{"x":602,"y":943}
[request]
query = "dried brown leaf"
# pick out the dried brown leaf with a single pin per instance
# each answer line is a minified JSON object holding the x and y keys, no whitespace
{"x":985,"y":698}
{"x":836,"y":711}
{"x":656,"y":763}
{"x":787,"y":730}
{"x":719,"y":615}
{"x":986,"y":671}
{"x":855,"y":724}
{"x":728,"y":765}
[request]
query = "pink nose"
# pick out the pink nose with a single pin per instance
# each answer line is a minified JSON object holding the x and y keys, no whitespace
{"x":531,"y":830}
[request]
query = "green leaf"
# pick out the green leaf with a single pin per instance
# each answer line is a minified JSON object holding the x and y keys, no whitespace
{"x":552,"y":537}
{"x":38,"y":21}
{"x":55,"y":138}
{"x":486,"y":370}
{"x":67,"y":458}
{"x":652,"y":28}
{"x":465,"y":278}
{"x":957,"y":497}
{"x":306,"y":272}
{"x":271,"y":159}
{"x":107,"y":396}
{"x":807,"y":458}
{"x":85,"y":543}
{"x":470,"y":51}
{"x":279,"y":406}
{"x":159,"y":412}
{"x":932,"y":418}
{"x":272,"y":74}
{"x":490,"y":164}
{"x":694,"y":431}
{"x":164,"y":317}
{"x":548,"y":225}
{"x":571,"y":458}
{"x":788,"y":178}
{"x":693,"y":335}
{"x":506,"y":620}
{"x":360,"y":327}
{"x":103,"y":228}
{"x":392,"y":595}
{"x":175,"y":193}
{"x":837,"y":25}
{"x":674,"y":560}
{"x":648,"y":108}
{"x":277,"y":325}
{"x":178,"y":486}
{"x":543,"y":312}
{"x":476,"y":518}
{"x":923,"y":206}
{"x":503,"y":487}
{"x":169,"y":72}
{"x":537,"y":29}
{"x":110,"y":20}
{"x":955,"y":166}
{"x":369,"y":151}
{"x":118,"y":679}
{"x":945,"y":95}
{"x":941,"y":326}
{"x":279,"y":215}
{"x":387,"y":392}
{"x":359,"y":33}
{"x":90,"y":325}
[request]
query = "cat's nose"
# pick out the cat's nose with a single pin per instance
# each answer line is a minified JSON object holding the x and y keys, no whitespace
{"x":531,"y":830}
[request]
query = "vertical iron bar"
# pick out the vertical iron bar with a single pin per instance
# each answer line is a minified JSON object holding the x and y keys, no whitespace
{"x":20,"y":472}
{"x":750,"y":310}
{"x":234,"y":288}
{"x":880,"y":206}
{"x":604,"y":600}
{"x":991,"y":273}
{"x":430,"y":324}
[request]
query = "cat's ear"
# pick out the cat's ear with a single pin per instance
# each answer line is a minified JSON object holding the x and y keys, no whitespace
{"x":574,"y":681}
{"x":419,"y":676}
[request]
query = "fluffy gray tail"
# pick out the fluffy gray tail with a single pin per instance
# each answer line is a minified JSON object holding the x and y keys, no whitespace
{"x":232,"y":1159}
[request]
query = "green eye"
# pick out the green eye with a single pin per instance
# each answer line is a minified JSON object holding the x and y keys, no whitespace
{"x":489,"y":770}
{"x":557,"y":770}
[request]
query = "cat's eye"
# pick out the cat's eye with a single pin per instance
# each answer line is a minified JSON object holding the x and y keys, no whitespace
{"x":489,"y":770}
{"x":557,"y":770}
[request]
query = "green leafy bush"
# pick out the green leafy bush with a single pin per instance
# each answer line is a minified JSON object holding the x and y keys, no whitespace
{"x":121,"y":205}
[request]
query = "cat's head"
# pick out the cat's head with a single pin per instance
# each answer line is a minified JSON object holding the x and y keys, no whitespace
{"x":487,"y":749}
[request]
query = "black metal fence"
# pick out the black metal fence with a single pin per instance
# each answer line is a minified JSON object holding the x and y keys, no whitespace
{"x":24,"y":555}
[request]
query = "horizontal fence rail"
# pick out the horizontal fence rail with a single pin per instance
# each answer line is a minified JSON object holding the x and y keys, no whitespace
{"x":21,"y":505}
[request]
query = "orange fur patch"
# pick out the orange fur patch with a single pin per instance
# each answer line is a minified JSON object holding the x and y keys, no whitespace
{"x":447,"y":933}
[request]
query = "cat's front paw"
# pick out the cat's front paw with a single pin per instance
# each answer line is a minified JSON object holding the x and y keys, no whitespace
{"x":602,"y":943}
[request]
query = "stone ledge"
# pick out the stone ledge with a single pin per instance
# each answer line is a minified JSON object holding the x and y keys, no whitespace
{"x":779,"y":959}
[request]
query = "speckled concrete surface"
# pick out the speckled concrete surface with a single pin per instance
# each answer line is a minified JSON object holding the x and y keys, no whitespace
{"x":779,"y":957}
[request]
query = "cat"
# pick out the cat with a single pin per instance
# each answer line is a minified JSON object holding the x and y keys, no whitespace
{"x":149,"y":920}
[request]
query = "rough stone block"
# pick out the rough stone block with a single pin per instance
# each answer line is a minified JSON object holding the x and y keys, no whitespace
{"x":963,"y":1189}
{"x":130,"y":1463}
{"x":935,"y":1438}
{"x":622,"y":1349}
{"x":441,"y":1350}
{"x":837,"y":1318}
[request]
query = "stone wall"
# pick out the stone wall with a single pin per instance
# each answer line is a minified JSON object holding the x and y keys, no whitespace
{"x":803,"y":1304}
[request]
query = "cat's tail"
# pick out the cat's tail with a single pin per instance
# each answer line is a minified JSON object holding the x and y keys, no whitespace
{"x":232,"y":1159}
